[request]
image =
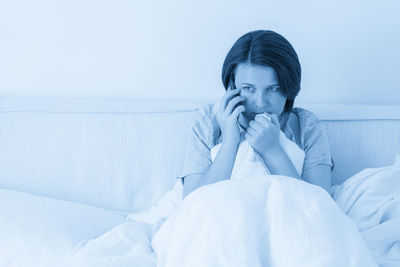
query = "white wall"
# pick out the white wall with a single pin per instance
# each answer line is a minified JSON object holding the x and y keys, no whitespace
{"x":349,"y":50}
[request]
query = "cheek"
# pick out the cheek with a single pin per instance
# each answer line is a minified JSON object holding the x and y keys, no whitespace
{"x":248,"y":108}
{"x":276,"y":102}
{"x":279,"y":102}
{"x":245,"y":102}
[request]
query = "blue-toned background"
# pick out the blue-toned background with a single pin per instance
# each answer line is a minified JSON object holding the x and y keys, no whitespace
{"x":349,"y":50}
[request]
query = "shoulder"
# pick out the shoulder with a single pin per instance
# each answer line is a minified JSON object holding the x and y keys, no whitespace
{"x":307,"y":125}
{"x":314,"y":139}
{"x":305,"y":117}
{"x":205,"y":125}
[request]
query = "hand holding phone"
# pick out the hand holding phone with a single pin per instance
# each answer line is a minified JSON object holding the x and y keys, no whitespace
{"x":228,"y":113}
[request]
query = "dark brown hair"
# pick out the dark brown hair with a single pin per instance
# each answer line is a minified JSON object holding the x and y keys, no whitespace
{"x":266,"y":48}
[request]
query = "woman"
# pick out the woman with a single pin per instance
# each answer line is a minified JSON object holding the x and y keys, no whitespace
{"x":265,"y":70}
{"x":284,"y":219}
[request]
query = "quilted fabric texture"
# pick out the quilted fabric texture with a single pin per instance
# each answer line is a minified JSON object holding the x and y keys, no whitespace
{"x":124,"y":155}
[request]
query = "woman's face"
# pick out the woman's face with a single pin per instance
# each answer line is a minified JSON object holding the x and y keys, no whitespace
{"x":260,"y":88}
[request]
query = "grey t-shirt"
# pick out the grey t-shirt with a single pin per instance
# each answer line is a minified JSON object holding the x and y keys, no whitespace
{"x":302,"y":127}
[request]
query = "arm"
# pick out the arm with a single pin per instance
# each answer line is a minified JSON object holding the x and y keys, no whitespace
{"x":220,"y":169}
{"x":276,"y":159}
{"x":279,"y":164}
{"x":319,"y":175}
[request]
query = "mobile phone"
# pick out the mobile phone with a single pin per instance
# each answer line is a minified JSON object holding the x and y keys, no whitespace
{"x":232,"y":86}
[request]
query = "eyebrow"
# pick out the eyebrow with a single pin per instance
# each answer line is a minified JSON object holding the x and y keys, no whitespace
{"x":275,"y":84}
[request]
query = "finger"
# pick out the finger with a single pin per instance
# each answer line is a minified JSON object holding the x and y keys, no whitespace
{"x":257,"y":125}
{"x":248,"y":137}
{"x":272,"y":117}
{"x":262,"y":119}
{"x":228,"y":95}
{"x":237,"y":111}
{"x":275,"y":119}
{"x":251,"y":131}
{"x":230,"y":92}
{"x":232,"y":104}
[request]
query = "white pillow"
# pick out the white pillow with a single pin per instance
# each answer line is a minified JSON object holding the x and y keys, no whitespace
{"x":371,"y":198}
{"x":39,"y":231}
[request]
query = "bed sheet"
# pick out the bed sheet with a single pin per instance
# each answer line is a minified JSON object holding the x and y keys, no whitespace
{"x":368,"y":200}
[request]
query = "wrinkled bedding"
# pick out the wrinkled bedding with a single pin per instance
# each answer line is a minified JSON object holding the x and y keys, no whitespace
{"x":263,"y":220}
{"x":363,"y":198}
{"x":371,"y":199}
{"x":37,"y":231}
{"x":128,"y":244}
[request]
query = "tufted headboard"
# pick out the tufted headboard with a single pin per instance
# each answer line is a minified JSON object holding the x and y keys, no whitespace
{"x":360,"y":136}
{"x":124,"y":154}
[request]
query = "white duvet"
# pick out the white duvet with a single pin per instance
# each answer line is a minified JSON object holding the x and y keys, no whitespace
{"x":371,"y":199}
{"x":257,"y":219}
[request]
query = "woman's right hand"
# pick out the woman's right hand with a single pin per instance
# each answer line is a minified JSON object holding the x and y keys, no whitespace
{"x":227,"y":116}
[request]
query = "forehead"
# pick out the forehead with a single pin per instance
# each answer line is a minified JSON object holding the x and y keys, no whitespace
{"x":255,"y":74}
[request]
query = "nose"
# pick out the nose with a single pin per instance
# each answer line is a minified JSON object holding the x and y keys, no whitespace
{"x":259,"y":100}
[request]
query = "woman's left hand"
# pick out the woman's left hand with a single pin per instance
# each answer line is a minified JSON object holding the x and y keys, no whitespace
{"x":263,"y":134}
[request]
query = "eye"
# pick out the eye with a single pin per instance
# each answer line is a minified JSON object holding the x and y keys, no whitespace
{"x":247,"y":88}
{"x":273,"y":88}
